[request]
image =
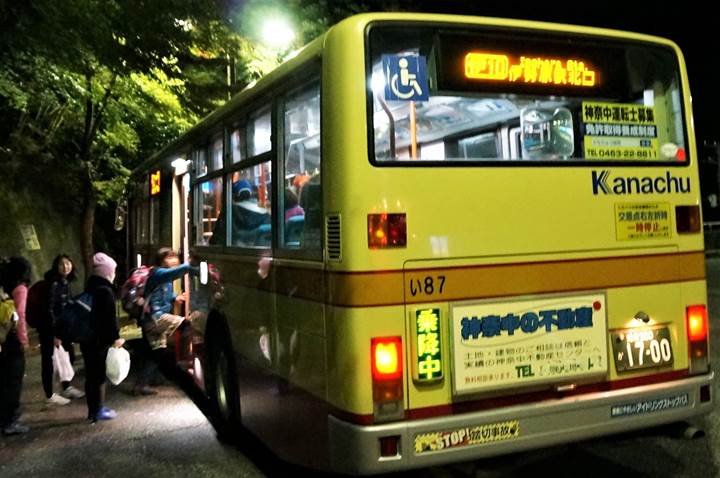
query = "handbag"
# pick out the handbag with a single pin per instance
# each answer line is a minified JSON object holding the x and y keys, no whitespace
{"x":61,"y":364}
{"x":117,"y":364}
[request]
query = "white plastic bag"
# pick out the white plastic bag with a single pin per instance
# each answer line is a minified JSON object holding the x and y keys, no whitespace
{"x":61,"y":364}
{"x":117,"y":364}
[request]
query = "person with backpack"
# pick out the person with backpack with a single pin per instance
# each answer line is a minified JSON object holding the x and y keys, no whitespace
{"x":104,"y":332}
{"x":58,"y":293}
{"x":133,"y":302}
{"x":14,"y":280}
{"x":158,"y":321}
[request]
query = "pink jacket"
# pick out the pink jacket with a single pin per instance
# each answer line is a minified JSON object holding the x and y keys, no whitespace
{"x":19,"y":295}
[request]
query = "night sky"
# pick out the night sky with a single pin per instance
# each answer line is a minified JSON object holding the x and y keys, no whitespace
{"x":693,"y":25}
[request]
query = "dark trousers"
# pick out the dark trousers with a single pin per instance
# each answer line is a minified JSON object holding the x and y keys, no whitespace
{"x":94,"y":356}
{"x":147,"y":365}
{"x":47,"y":347}
{"x":12,"y":369}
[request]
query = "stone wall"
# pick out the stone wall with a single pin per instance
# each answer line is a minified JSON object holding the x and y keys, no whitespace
{"x":56,"y":226}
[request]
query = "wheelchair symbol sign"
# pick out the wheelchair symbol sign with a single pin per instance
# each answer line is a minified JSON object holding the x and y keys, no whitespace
{"x":405,"y":77}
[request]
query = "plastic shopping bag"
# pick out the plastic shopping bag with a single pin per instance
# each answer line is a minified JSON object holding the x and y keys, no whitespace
{"x":117,"y":364}
{"x":61,"y":364}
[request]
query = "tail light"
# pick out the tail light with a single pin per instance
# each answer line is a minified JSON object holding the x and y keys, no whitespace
{"x":697,"y":331}
{"x":387,"y":230}
{"x":387,"y":377}
{"x":697,"y":323}
{"x":387,"y":361}
{"x":687,"y":219}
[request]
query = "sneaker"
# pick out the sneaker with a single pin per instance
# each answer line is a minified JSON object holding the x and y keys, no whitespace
{"x":72,"y":392}
{"x":15,"y":428}
{"x":57,"y":400}
{"x":105,"y":414}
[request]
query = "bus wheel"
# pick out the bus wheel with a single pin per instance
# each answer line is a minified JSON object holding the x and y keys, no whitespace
{"x":221,"y":386}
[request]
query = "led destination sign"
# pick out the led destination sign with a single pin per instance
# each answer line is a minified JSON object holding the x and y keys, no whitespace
{"x":485,"y":66}
{"x":495,"y":62}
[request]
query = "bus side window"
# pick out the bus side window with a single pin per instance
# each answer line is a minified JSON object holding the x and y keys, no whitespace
{"x":302,"y":198}
{"x":251,"y":224}
{"x":210,"y":223}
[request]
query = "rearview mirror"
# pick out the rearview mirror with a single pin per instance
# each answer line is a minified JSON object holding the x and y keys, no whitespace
{"x":547,"y":133}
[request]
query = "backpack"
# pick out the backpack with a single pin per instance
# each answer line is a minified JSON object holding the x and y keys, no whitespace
{"x":38,"y":304}
{"x":8,"y":316}
{"x":132,"y":293}
{"x":74,"y":322}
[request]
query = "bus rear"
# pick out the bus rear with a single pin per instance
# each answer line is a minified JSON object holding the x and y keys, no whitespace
{"x":514,"y":242}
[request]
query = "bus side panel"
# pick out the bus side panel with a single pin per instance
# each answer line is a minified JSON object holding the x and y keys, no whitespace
{"x":301,"y":359}
{"x":280,"y":352}
{"x":289,"y":420}
{"x":249,"y":312}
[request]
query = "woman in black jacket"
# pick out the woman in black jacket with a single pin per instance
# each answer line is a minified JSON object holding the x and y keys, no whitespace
{"x":58,"y":280}
{"x":105,"y":334}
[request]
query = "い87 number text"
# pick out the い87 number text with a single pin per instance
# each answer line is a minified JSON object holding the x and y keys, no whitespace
{"x":428,"y":285}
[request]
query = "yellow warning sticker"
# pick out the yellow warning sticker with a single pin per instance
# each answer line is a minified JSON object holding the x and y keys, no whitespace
{"x":469,"y":436}
{"x":637,"y":221}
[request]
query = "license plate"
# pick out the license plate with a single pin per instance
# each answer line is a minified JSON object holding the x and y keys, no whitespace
{"x":642,"y":348}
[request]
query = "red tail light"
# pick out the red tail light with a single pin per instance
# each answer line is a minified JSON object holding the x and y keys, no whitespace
{"x":697,"y":323}
{"x":387,"y":230}
{"x":386,"y":358}
{"x":697,"y":331}
{"x":387,"y":378}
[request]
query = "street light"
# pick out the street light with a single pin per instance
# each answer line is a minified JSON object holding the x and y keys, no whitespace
{"x":277,"y":34}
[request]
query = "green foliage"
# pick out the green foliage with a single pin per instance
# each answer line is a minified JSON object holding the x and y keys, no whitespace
{"x":91,"y":88}
{"x":316,"y":16}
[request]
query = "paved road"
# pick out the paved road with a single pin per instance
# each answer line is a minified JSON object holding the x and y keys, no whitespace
{"x":167,"y":435}
{"x":162,"y":435}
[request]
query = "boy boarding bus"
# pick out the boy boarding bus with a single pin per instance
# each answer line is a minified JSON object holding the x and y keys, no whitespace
{"x":432,"y":238}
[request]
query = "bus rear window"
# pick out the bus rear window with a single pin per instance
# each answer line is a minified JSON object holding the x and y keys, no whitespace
{"x":475,"y":96}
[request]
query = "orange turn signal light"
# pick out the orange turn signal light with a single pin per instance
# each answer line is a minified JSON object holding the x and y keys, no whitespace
{"x":387,"y":230}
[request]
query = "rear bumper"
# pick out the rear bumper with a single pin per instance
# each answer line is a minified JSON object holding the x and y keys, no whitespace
{"x":355,"y":449}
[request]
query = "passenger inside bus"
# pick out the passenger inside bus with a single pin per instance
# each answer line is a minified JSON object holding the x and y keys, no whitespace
{"x":311,"y":202}
{"x":294,"y":218}
{"x":250,"y":221}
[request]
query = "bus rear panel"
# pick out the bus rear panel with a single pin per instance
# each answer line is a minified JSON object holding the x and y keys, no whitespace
{"x":522,"y":260}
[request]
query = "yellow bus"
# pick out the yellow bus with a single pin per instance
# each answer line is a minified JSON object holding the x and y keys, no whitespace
{"x":431,"y":238}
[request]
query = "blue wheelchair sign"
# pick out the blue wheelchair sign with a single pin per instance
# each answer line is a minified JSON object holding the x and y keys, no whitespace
{"x":405,"y":78}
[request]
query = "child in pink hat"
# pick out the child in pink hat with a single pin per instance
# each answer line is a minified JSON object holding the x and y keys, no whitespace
{"x":105,"y":334}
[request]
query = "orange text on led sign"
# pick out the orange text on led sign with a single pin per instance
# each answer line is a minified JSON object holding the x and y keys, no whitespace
{"x":155,"y":183}
{"x":545,"y":71}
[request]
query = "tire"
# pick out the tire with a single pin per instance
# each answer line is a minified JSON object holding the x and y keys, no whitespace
{"x":221,"y":386}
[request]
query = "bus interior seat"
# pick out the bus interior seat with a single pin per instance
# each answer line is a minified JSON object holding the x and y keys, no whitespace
{"x":293,"y":230}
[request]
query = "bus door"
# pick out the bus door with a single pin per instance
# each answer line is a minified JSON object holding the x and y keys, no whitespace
{"x":187,"y":343}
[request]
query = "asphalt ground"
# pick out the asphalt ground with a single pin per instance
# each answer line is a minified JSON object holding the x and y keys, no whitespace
{"x":161,"y":435}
